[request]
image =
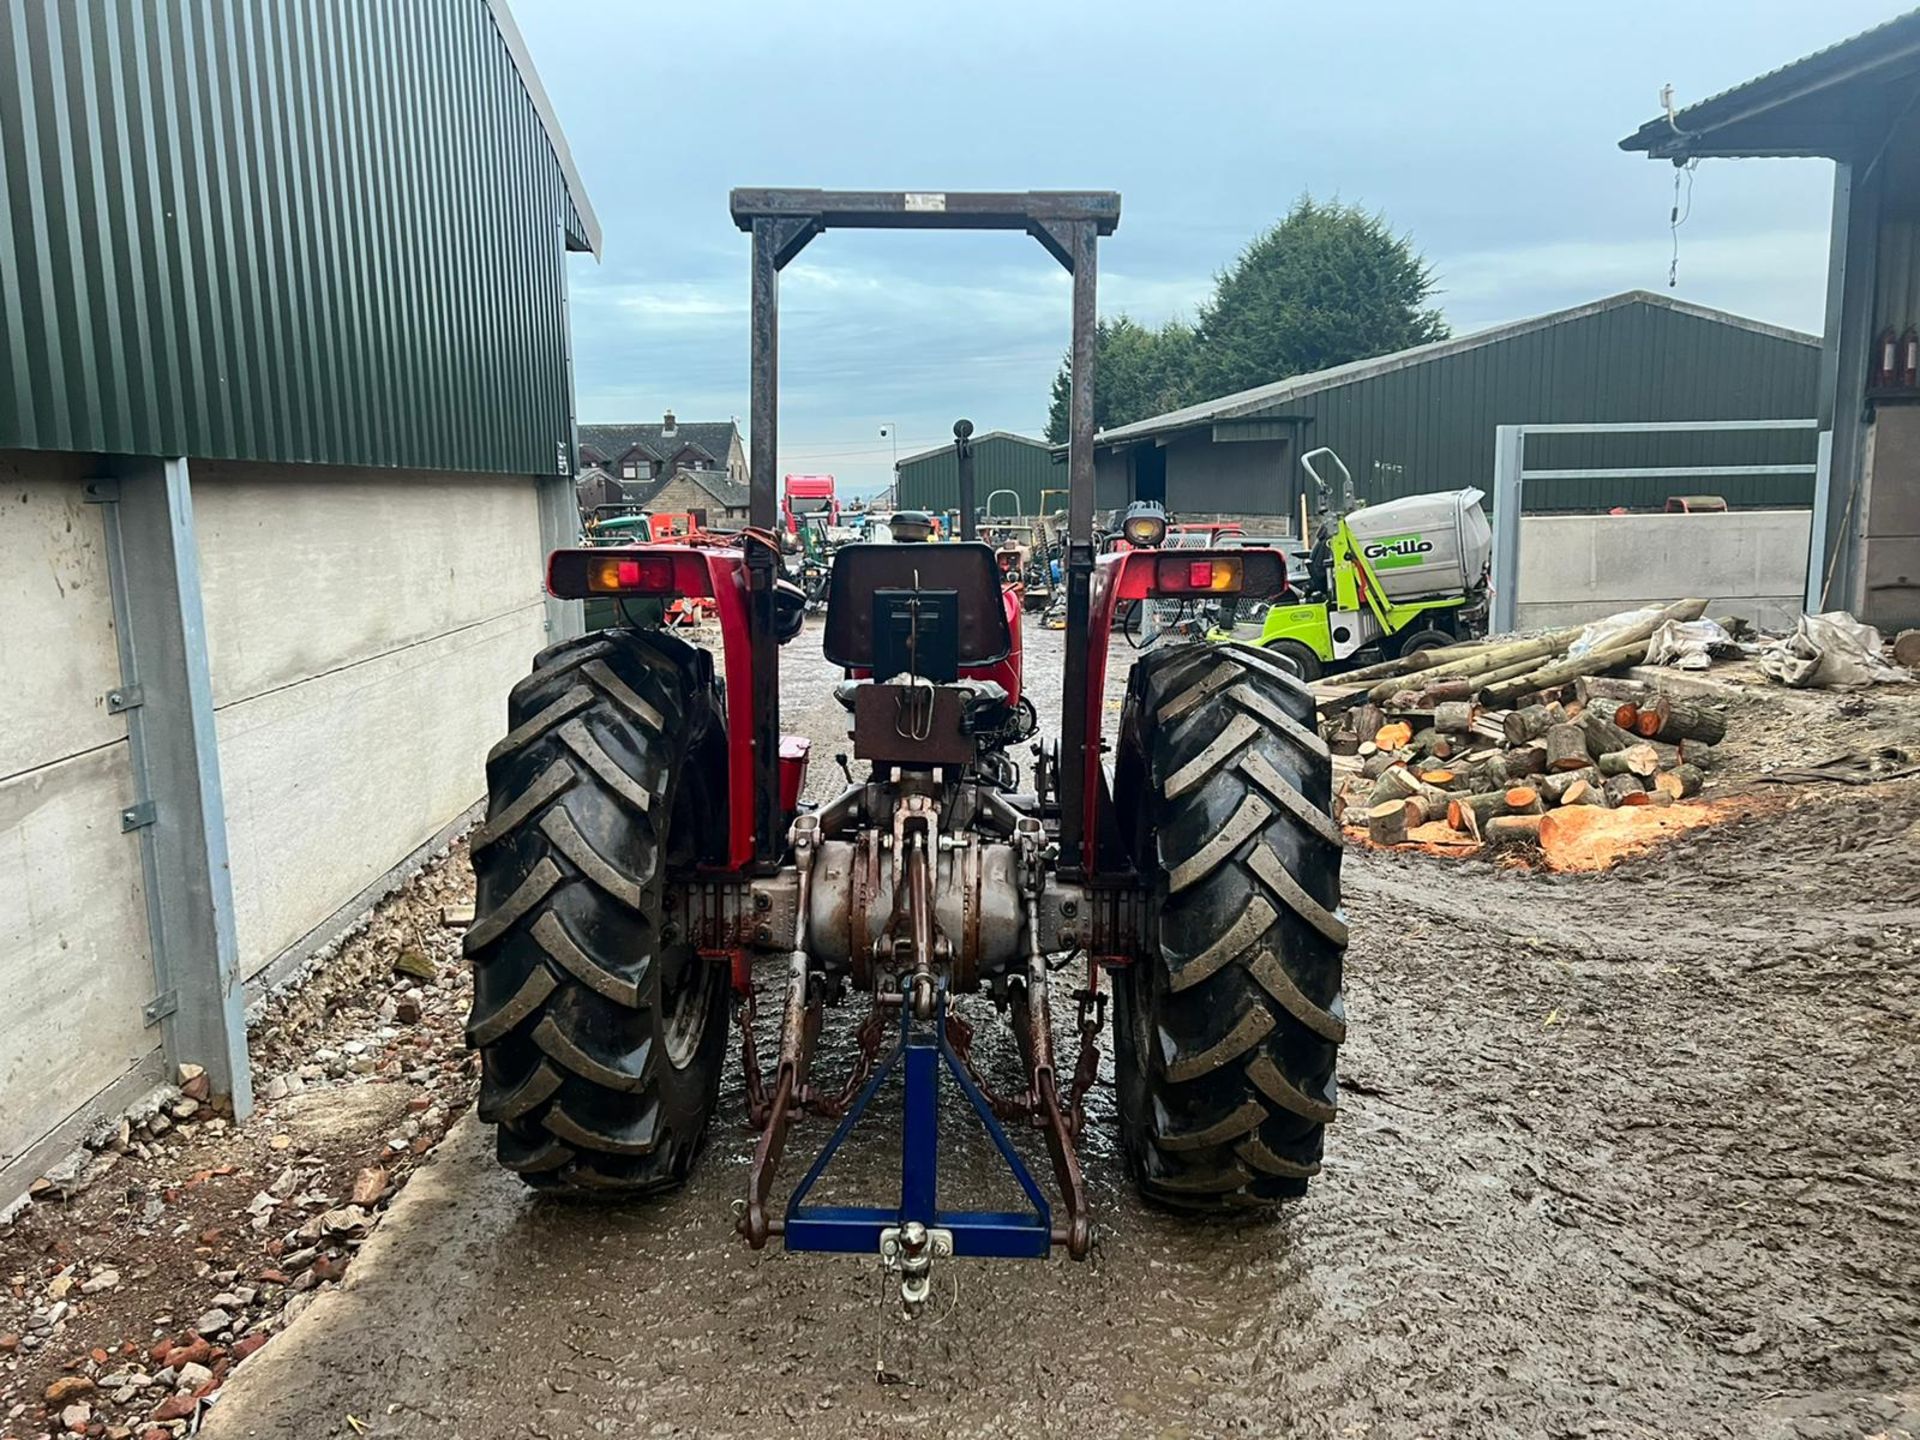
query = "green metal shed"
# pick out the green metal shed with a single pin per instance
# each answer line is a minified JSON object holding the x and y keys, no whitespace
{"x":1002,"y":460}
{"x":316,"y":232}
{"x":1423,"y":419}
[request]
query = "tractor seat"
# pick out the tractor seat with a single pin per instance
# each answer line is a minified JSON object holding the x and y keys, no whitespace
{"x":967,"y":568}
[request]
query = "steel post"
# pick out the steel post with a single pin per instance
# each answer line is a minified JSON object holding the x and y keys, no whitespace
{"x":1509,"y":452}
{"x":166,"y":693}
{"x":963,"y":466}
{"x":559,"y":506}
{"x":1074,"y":716}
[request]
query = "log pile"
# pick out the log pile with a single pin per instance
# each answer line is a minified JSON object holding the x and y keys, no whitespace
{"x":1486,"y":738}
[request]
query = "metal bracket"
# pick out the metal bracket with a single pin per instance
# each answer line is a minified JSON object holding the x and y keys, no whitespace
{"x":160,"y":1007}
{"x":103,"y":490}
{"x":125,"y":697}
{"x":137,"y":816}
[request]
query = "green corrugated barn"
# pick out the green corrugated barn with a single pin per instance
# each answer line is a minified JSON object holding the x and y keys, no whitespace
{"x":1001,"y":461}
{"x":1423,"y":419}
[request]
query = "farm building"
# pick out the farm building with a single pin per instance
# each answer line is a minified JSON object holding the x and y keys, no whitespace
{"x":1852,"y":103}
{"x":288,"y":427}
{"x":1001,"y":461}
{"x":1423,"y":419}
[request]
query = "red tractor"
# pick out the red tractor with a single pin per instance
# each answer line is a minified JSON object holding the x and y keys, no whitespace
{"x":645,"y":846}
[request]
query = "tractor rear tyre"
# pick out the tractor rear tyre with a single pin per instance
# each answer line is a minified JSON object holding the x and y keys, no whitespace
{"x":601,"y":1032}
{"x":1227,"y":1025}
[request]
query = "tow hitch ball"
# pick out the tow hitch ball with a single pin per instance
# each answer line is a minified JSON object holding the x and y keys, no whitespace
{"x":910,"y":1251}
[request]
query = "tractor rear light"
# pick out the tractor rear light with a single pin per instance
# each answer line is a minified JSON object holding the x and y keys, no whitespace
{"x":582,"y":574}
{"x":630,"y":575}
{"x":1216,"y":575}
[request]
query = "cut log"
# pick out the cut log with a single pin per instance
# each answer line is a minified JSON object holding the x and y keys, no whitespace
{"x":1526,"y":760}
{"x":1511,"y":830}
{"x":1680,"y":782}
{"x":1610,"y":687}
{"x":1378,"y":763}
{"x":1567,"y":748}
{"x":1620,"y":788}
{"x":1442,"y":692}
{"x":1603,"y":735}
{"x":1627,"y":715}
{"x":1387,"y":822}
{"x":1523,"y":800}
{"x":1906,"y":649}
{"x":1453,"y":717}
{"x":1441,"y":748}
{"x":1555,"y":787}
{"x":1438,"y":778}
{"x":1649,"y":717}
{"x":1673,"y":719}
{"x":1491,"y":773}
{"x":1580,"y":793}
{"x":1367,"y":720}
{"x":1471,"y":812}
{"x":1530,"y":723}
{"x":1393,"y":735}
{"x":1641,"y":761}
{"x":1366,"y":748}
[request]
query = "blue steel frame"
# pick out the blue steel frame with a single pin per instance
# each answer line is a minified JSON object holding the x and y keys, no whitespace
{"x":855,"y":1229}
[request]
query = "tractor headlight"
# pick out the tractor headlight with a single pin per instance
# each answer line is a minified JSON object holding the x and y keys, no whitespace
{"x":1144,"y":525}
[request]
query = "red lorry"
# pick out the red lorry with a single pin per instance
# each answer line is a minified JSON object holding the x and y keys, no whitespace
{"x":808,"y":495}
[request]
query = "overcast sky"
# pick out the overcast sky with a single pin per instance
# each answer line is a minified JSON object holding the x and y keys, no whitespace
{"x":1486,"y":131}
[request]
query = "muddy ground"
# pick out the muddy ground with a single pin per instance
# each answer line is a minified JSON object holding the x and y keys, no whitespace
{"x":1635,"y":1153}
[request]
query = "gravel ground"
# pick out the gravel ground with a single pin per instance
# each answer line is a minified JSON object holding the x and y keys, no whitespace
{"x":1632,"y":1153}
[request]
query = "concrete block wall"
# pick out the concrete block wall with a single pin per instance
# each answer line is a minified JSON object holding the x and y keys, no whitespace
{"x":363,"y":629}
{"x":1749,"y":563}
{"x":74,"y":964}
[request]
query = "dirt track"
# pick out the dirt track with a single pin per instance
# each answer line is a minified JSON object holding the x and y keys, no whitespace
{"x":1636,"y":1153}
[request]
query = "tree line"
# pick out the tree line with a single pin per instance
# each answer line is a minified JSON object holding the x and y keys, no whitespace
{"x":1329,"y":284}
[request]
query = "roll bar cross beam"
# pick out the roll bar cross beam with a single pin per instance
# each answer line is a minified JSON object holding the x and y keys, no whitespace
{"x":1068,"y":223}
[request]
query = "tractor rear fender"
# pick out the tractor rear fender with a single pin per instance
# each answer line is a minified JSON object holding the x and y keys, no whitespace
{"x":673,"y":572}
{"x":1148,"y":575}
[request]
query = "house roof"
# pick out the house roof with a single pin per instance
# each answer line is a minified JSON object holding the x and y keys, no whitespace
{"x":1834,"y":102}
{"x":730,"y":493}
{"x":1263,"y":400}
{"x":588,"y":237}
{"x":712,"y":438}
{"x":947,"y":448}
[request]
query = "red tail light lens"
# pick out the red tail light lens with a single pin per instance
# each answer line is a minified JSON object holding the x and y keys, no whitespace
{"x":1218,"y":575}
{"x":579,"y":574}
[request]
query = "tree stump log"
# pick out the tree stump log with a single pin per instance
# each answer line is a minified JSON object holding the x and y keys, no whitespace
{"x":1567,"y":748}
{"x":1669,"y":718}
{"x":1523,"y":800}
{"x":1511,"y":830}
{"x":1530,"y":723}
{"x":1682,"y":782}
{"x":1620,"y":789}
{"x":1387,"y":822}
{"x":1453,"y":717}
{"x":1640,"y":761}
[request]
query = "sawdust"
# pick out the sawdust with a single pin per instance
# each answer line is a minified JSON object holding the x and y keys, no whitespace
{"x":1587,"y":837}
